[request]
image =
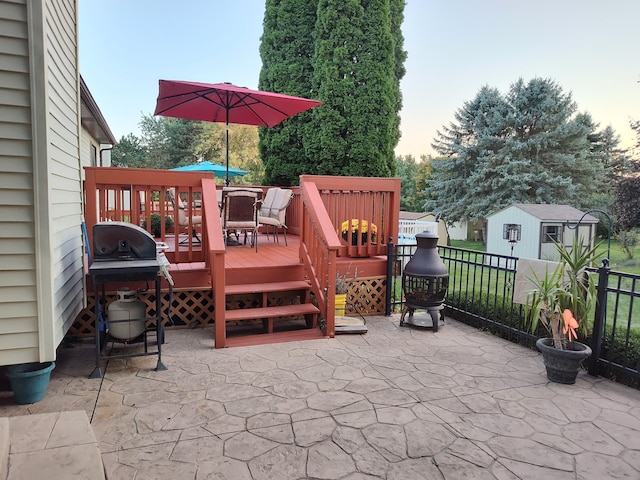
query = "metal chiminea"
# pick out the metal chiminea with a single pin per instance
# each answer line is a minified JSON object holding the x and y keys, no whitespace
{"x":424,"y":282}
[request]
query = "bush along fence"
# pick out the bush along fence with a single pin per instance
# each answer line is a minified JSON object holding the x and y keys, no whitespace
{"x":481,"y":288}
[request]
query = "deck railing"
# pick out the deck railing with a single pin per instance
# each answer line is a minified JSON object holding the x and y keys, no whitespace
{"x":327,"y":205}
{"x":136,"y":195}
{"x":319,"y":245}
{"x":351,"y":200}
{"x":211,"y":230}
{"x":320,"y":208}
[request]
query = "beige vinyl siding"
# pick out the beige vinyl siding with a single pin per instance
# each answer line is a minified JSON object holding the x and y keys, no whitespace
{"x":41,"y":259}
{"x":66,"y":265}
{"x":19,"y":340}
{"x":86,"y":141}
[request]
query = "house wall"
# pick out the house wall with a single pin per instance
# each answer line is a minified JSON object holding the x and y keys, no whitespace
{"x":89,"y":146}
{"x":458,"y":231}
{"x":531,"y":244}
{"x":466,"y":230}
{"x":18,"y":292}
{"x":528,"y":246}
{"x":41,"y":267}
{"x":586,"y":232}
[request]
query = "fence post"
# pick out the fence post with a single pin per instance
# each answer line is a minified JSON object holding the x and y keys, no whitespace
{"x":391,"y":257}
{"x":598,"y":321}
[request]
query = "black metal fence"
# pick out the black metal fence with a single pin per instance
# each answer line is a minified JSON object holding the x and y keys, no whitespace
{"x":481,"y":287}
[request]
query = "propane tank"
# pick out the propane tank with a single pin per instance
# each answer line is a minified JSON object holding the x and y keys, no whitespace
{"x":126,"y":307}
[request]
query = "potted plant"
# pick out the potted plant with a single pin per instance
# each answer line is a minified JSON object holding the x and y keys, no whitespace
{"x":156,"y":227}
{"x":350,"y":230}
{"x":561,"y":302}
{"x":342,"y":286}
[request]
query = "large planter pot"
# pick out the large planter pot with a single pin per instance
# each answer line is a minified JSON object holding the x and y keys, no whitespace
{"x":563,"y":365}
{"x":29,"y":381}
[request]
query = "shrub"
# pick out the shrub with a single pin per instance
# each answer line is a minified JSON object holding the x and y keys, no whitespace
{"x":155,"y":224}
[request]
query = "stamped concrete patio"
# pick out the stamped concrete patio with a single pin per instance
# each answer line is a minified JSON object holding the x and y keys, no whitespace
{"x":396,"y":403}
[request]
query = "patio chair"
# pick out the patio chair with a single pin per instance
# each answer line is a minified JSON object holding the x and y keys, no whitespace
{"x":276,"y":216}
{"x":267,"y":203}
{"x":240,"y":212}
{"x":183,"y":218}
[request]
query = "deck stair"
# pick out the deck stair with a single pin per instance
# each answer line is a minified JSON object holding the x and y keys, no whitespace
{"x":271,"y":302}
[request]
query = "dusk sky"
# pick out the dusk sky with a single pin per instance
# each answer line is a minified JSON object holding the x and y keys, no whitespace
{"x":589,"y":47}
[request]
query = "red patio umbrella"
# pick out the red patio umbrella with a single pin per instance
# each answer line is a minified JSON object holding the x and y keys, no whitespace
{"x":224,"y":102}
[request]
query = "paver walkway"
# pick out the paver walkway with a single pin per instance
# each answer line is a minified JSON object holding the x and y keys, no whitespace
{"x":397,"y":403}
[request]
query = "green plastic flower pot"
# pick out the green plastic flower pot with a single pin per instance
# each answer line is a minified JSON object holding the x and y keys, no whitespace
{"x":29,"y":381}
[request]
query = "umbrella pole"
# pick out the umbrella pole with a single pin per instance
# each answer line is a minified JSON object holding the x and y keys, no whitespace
{"x":226,"y":180}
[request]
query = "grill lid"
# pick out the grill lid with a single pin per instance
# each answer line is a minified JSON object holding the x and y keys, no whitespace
{"x":122,"y":241}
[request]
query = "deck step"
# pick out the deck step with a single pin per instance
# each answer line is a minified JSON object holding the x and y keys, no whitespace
{"x":266,"y":287}
{"x":278,"y":337}
{"x":271,"y":312}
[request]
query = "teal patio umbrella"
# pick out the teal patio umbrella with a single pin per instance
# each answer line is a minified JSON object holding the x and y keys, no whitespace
{"x":211,"y":167}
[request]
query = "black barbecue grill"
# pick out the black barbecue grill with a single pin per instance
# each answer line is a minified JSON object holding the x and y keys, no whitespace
{"x":125,"y":252}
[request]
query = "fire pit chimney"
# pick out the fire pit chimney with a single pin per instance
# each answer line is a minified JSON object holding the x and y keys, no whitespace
{"x":424,"y":282}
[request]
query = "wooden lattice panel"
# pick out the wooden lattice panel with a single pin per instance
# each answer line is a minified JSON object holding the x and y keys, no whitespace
{"x":194,"y":308}
{"x":366,"y":296}
{"x":189,"y":309}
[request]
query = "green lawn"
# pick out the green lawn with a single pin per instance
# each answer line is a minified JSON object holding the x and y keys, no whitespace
{"x":469,"y":245}
{"x":618,"y":260}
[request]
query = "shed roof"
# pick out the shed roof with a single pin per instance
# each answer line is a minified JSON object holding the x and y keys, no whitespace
{"x":554,"y":213}
{"x":413,"y":215}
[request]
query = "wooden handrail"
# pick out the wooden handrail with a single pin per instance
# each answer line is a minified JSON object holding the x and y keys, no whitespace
{"x":319,"y":245}
{"x":327,"y":203}
{"x":212,"y":232}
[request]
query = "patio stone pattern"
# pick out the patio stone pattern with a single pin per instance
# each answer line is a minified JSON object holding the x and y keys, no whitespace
{"x":394,"y":403}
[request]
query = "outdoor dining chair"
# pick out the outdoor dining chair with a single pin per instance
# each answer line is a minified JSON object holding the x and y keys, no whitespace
{"x":183,"y":218}
{"x":240,"y":213}
{"x":276,"y":215}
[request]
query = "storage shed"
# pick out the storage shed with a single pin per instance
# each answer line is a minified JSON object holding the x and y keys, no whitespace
{"x":527,"y":230}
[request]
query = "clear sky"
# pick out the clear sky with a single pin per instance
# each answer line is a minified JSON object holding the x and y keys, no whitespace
{"x":591,"y":48}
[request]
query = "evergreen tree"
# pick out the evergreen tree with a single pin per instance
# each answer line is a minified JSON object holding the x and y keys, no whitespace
{"x":170,"y":142}
{"x":355,"y":75}
{"x":286,"y":50}
{"x":413,"y":175}
{"x":129,"y":152}
{"x":479,"y":131}
{"x":348,"y":54}
{"x":529,"y":146}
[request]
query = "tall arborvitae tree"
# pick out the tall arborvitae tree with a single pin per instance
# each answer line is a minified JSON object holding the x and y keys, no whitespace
{"x":348,"y":54}
{"x":396,"y":9}
{"x":355,"y":75}
{"x":286,"y":50}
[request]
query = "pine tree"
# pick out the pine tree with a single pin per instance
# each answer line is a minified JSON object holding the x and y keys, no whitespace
{"x":529,"y":146}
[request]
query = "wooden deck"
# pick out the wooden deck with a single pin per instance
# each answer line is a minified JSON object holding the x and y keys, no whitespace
{"x":323,"y":212}
{"x":272,"y":262}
